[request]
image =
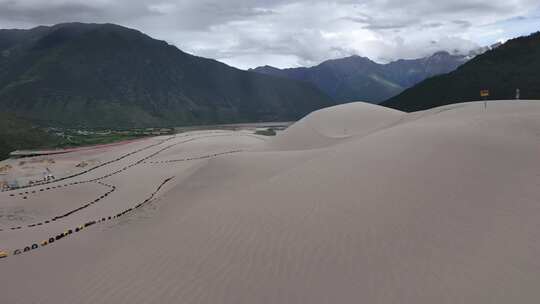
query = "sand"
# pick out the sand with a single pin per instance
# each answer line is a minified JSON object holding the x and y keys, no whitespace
{"x":366,"y":205}
{"x":332,"y":125}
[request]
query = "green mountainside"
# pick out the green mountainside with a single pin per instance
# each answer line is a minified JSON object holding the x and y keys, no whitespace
{"x":513,"y":65}
{"x":105,"y":75}
{"x":358,"y":78}
{"x":16,"y":134}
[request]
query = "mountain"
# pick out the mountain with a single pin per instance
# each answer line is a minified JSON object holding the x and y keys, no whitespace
{"x":501,"y":70}
{"x":105,"y":75}
{"x":18,"y":134}
{"x":358,"y":78}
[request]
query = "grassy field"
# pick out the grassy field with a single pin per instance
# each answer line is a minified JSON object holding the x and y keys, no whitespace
{"x":90,"y":140}
{"x":16,"y":134}
{"x":78,"y":138}
{"x":267,"y":132}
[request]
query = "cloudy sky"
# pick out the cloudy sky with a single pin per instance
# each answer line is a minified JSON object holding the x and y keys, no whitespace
{"x":249,"y":33}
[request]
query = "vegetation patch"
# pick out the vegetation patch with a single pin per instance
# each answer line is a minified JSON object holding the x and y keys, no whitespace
{"x":266,"y":132}
{"x":18,"y":134}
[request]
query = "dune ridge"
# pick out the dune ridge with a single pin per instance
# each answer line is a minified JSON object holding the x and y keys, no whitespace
{"x":334,"y":124}
{"x":435,"y":206}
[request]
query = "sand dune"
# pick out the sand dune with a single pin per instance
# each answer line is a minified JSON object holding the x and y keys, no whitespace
{"x":331,"y":125}
{"x":353,"y":204}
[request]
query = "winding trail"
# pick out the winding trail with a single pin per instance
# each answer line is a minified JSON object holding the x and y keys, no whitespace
{"x":25,"y":194}
{"x":79,"y":228}
{"x":38,"y":224}
{"x":114,"y":187}
{"x":88,"y":170}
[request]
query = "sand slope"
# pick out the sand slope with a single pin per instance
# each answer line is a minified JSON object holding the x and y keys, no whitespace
{"x":334,"y":124}
{"x":434,"y":207}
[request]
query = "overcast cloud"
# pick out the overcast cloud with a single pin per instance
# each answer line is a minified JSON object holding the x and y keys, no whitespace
{"x":248,"y":33}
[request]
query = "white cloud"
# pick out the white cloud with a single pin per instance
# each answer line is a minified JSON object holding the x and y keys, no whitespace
{"x":247,"y":33}
{"x":162,"y":8}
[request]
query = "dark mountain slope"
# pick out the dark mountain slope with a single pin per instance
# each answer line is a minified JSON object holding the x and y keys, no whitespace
{"x":99,"y":75}
{"x":515,"y":64}
{"x":410,"y":72}
{"x":17,"y":134}
{"x":358,"y":78}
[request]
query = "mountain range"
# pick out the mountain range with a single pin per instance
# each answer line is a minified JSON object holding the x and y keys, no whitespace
{"x":105,"y":75}
{"x":502,"y":70}
{"x":358,"y":78}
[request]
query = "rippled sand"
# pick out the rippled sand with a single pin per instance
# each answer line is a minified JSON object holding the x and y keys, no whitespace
{"x":353,"y":204}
